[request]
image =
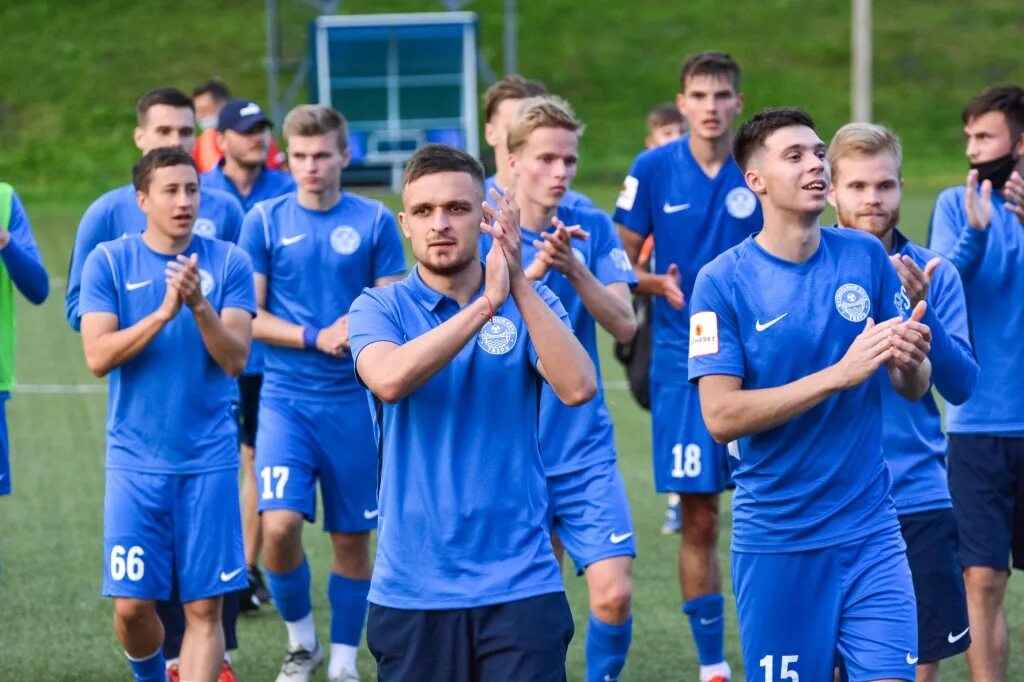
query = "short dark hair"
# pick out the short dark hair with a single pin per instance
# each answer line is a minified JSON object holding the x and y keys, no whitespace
{"x":663,"y":115}
{"x":512,"y":86}
{"x":171,"y":97}
{"x":161,"y":157}
{"x":1006,"y":99}
{"x":753,"y":133}
{"x":215,"y":88}
{"x":710,"y":63}
{"x":441,"y":158}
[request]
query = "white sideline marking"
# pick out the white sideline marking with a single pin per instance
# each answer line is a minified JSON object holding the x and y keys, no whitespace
{"x":61,"y":389}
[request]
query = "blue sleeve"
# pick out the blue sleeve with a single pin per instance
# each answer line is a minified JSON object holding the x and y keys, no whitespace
{"x":233,"y":216}
{"x":610,"y":264}
{"x":633,"y":207}
{"x":255,"y":239}
{"x":952,"y":237}
{"x":99,"y":291}
{"x":93,"y":229}
{"x":388,"y":254}
{"x":238,"y":286}
{"x":716,"y":346}
{"x":555,"y":304}
{"x":954,"y":367}
{"x":370,"y":321}
{"x":22,"y":258}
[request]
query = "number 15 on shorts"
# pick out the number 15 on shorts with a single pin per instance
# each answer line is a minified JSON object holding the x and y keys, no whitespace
{"x":785,"y":672}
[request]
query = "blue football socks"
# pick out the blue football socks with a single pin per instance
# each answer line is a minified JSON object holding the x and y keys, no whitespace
{"x":291,"y":592}
{"x":150,"y":669}
{"x":348,"y":608}
{"x":707,"y":620}
{"x":607,"y":646}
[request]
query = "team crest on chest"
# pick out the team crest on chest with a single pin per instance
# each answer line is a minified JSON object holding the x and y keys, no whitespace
{"x":345,"y":240}
{"x":204,"y":227}
{"x":498,"y":336}
{"x":740,"y":202}
{"x":205,"y":282}
{"x":853,"y":303}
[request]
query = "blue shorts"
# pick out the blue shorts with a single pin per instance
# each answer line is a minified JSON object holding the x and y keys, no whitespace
{"x":590,"y":512}
{"x":301,"y":441}
{"x":5,"y":447}
{"x":520,"y":640}
{"x":686,"y":458}
{"x":942,"y":627}
{"x":158,"y":527}
{"x":986,"y":482}
{"x":797,"y":610}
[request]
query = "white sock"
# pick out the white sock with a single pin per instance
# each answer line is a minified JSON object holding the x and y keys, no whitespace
{"x":171,"y":661}
{"x":709,"y":671}
{"x":342,"y":656}
{"x":302,"y":632}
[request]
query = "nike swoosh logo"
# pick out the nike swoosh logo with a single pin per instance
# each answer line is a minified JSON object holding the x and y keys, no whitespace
{"x":674,"y":208}
{"x":227,"y":577}
{"x":709,"y":621}
{"x":616,"y":539}
{"x":3,"y":476}
{"x":288,"y":241}
{"x":367,"y":514}
{"x":911,"y":660}
{"x":761,"y":327}
{"x":954,"y":639}
{"x":132,"y":286}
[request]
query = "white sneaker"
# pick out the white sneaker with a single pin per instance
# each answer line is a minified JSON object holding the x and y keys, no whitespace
{"x":299,"y":664}
{"x":346,"y":675}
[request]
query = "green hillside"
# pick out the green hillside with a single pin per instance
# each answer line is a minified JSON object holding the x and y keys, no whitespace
{"x":72,"y":71}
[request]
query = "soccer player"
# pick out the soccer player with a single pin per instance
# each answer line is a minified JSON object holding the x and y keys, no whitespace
{"x":243,"y":133}
{"x":866,"y":190}
{"x":166,"y":118}
{"x":786,"y":353}
{"x":981,"y":231}
{"x":313,"y":251}
{"x":665,"y":123}
{"x":587,"y":506}
{"x":466,"y":586}
{"x":691,"y":196}
{"x":501,"y":101}
{"x":21,"y":268}
{"x":168,"y":316}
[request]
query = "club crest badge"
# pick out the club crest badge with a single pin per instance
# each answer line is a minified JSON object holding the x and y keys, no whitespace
{"x":345,"y":240}
{"x":740,"y":202}
{"x":853,"y":303}
{"x":498,"y":336}
{"x":204,"y":227}
{"x":205,"y":282}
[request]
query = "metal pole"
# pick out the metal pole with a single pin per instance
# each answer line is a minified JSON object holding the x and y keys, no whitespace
{"x":861,"y":61}
{"x":511,"y":38}
{"x":273,"y":66}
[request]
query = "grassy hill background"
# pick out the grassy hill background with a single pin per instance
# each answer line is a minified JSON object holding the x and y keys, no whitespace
{"x":73,"y":71}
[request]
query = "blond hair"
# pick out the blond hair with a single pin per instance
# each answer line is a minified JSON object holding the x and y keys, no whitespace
{"x":309,"y":120}
{"x":867,"y":139}
{"x":541,"y":112}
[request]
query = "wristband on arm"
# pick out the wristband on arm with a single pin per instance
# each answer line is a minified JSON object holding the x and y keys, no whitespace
{"x":309,"y":335}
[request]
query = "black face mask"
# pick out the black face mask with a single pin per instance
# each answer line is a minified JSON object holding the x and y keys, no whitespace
{"x":997,"y":171}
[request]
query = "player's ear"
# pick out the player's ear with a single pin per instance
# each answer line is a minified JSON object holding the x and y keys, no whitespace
{"x":137,"y":135}
{"x":754,"y":181}
{"x":680,"y":101}
{"x":491,"y":134}
{"x":649,"y":142}
{"x":346,"y":157}
{"x":402,"y":218}
{"x":831,"y":196}
{"x":142,"y":199}
{"x":1020,"y":144}
{"x":739,"y":103}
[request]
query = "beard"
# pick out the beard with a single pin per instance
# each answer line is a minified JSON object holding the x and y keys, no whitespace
{"x":449,"y":266}
{"x":850,"y":219}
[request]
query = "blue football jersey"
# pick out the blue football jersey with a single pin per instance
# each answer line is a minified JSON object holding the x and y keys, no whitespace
{"x":316,"y":263}
{"x":819,"y":479}
{"x":693,"y":218}
{"x":269,"y":185}
{"x":991,"y":265}
{"x":572,"y":438}
{"x":117,"y":214}
{"x":571,"y":200}
{"x":463,"y":494}
{"x":169,"y":408}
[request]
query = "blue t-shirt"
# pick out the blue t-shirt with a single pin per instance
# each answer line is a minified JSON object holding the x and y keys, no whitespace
{"x":316,"y":263}
{"x":991,"y":265}
{"x":571,"y":199}
{"x":572,"y":438}
{"x":693,"y":219}
{"x":270,"y":184}
{"x":462,"y":493}
{"x":117,"y":214}
{"x":21,"y":256}
{"x":169,"y":408}
{"x":912,"y":438}
{"x":819,"y":479}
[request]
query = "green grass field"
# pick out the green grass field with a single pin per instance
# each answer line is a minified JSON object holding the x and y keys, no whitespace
{"x":55,"y":626}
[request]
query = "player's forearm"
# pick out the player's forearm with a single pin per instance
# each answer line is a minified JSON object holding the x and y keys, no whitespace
{"x":109,"y":351}
{"x":227,"y":348}
{"x":954,"y":367}
{"x":271,"y":329}
{"x":27,"y":271}
{"x":968,"y":251}
{"x":567,"y":367}
{"x":912,"y":385}
{"x":608,"y":309}
{"x":743,"y":412}
{"x":648,"y":283}
{"x":393,"y":375}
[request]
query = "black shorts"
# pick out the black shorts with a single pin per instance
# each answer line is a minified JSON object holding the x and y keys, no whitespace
{"x":248,"y":407}
{"x":942,"y":627}
{"x":986,"y":481}
{"x":519,"y":641}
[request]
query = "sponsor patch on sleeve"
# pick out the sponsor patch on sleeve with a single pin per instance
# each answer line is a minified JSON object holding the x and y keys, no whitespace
{"x":703,"y":334}
{"x":628,"y":194}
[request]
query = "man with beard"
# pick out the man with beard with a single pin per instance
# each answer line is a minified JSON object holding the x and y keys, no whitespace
{"x":983,"y":234}
{"x":866,"y":191}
